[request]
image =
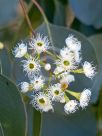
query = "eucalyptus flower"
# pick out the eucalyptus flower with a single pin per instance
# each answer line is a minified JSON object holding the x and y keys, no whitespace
{"x":71,"y":106}
{"x":56,"y":92}
{"x":66,"y":64}
{"x":42,"y":102}
{"x":37,"y":82}
{"x":75,"y":54}
{"x":85,"y":98}
{"x":72,"y":43}
{"x":24,"y":87}
{"x":89,"y":70}
{"x":39,"y":43}
{"x":31,"y":66}
{"x":66,"y":77}
{"x":20,"y":50}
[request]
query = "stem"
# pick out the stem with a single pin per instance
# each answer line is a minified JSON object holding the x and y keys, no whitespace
{"x":26,"y":17}
{"x":66,"y":98}
{"x":52,"y":55}
{"x":38,"y":56}
{"x":80,"y":71}
{"x":42,"y":63}
{"x":26,"y":55}
{"x":45,"y":19}
{"x":75,"y":94}
{"x":50,"y":78}
{"x":37,"y":121}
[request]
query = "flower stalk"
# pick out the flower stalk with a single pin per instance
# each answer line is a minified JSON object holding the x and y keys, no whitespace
{"x":75,"y":94}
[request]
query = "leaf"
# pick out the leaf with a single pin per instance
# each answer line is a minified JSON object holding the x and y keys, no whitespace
{"x":96,"y":41}
{"x":82,"y":123}
{"x":60,"y":14}
{"x":5,"y":63}
{"x":8,"y":12}
{"x":79,"y":124}
{"x":12,"y":110}
{"x":86,"y":13}
{"x":82,"y":28}
{"x":49,"y":8}
{"x":59,"y":34}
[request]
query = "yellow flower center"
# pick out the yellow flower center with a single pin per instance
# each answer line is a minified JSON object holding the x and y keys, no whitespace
{"x":31,"y":65}
{"x":56,"y":92}
{"x":41,"y":100}
{"x":39,"y":44}
{"x":66,"y":62}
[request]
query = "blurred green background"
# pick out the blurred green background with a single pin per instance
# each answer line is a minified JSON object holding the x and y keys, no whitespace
{"x":83,"y":16}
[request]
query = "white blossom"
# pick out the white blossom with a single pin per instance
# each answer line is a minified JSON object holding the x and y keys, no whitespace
{"x":37,"y":82}
{"x":66,"y":64}
{"x":62,"y":100}
{"x":76,"y":55}
{"x":89,"y":70}
{"x":31,"y":66}
{"x":42,"y":102}
{"x":72,"y":43}
{"x":39,"y":43}
{"x":66,"y":53}
{"x":85,"y":98}
{"x":20,"y":50}
{"x":71,"y":106}
{"x":67,"y":78}
{"x":24,"y":86}
{"x":56,"y":93}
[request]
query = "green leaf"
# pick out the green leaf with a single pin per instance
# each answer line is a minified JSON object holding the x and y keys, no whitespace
{"x":49,"y":8}
{"x":12,"y":110}
{"x":79,"y":124}
{"x":83,"y":122}
{"x":60,"y":13}
{"x":5,"y":63}
{"x":86,"y":13}
{"x":59,"y":34}
{"x":96,"y":41}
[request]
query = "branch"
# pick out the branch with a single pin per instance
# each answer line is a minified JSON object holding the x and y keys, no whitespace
{"x":26,"y":17}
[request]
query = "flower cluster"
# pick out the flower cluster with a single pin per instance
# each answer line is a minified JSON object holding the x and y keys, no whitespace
{"x":60,"y":72}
